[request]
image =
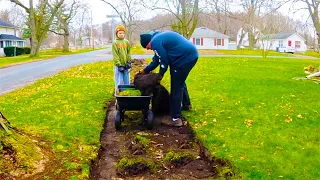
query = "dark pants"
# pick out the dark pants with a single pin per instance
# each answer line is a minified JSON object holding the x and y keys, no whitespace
{"x":179,"y":92}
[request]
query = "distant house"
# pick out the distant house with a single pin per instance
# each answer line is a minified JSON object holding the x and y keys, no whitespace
{"x":8,"y":36}
{"x":205,"y":38}
{"x":275,"y":41}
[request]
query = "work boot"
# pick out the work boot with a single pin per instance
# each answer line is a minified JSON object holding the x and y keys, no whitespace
{"x":170,"y":122}
{"x":186,"y":107}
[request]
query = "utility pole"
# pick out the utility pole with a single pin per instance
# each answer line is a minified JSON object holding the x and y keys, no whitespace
{"x":112,"y":25}
{"x":92,"y":36}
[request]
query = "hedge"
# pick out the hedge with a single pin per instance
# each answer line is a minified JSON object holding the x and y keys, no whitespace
{"x":9,"y":51}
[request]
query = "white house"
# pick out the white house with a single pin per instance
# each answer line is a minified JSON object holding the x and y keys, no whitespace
{"x":8,"y":36}
{"x":205,"y":38}
{"x":275,"y":41}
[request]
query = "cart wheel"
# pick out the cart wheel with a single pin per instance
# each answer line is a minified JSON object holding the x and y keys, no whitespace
{"x":117,"y":121}
{"x":149,"y":119}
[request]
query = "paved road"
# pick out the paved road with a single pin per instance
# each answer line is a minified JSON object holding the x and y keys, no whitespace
{"x":18,"y":76}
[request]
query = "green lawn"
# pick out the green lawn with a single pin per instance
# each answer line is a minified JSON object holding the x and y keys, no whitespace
{"x":311,"y":53}
{"x":252,"y":113}
{"x":44,"y":54}
{"x":67,"y":110}
{"x":251,"y":52}
{"x":248,"y":111}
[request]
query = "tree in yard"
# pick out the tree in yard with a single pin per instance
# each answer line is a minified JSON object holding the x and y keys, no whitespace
{"x":254,"y":11}
{"x":219,"y":9}
{"x":39,"y":20}
{"x":186,"y":13}
{"x":26,"y":34}
{"x":129,"y":12}
{"x":64,"y":16}
{"x":268,"y":27}
{"x":313,"y":8}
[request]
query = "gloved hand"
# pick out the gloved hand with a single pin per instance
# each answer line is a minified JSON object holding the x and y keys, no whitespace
{"x":121,"y":69}
{"x":159,"y":78}
{"x":128,"y":65}
{"x":141,"y":71}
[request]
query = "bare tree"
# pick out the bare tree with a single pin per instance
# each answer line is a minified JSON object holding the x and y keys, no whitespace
{"x":255,"y":10}
{"x":219,"y":9}
{"x":63,"y":19}
{"x":186,"y":13}
{"x":313,"y":7}
{"x":39,"y":20}
{"x":128,"y":11}
{"x":81,"y":20}
{"x":268,"y":27}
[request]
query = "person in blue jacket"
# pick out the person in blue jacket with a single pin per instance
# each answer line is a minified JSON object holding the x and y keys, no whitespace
{"x":174,"y":50}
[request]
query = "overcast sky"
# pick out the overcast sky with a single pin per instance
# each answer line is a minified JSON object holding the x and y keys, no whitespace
{"x":101,"y":9}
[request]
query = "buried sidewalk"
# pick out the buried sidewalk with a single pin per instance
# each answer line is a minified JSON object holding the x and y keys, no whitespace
{"x":134,"y":152}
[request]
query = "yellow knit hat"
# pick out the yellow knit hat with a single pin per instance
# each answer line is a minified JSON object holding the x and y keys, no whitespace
{"x":120,"y":28}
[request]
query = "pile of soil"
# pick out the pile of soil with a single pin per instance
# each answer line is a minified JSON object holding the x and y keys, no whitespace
{"x":149,"y":84}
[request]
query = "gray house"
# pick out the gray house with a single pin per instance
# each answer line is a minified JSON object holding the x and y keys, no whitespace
{"x":8,"y":36}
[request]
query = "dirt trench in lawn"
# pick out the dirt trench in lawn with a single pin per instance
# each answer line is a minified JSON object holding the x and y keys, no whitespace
{"x":134,"y":152}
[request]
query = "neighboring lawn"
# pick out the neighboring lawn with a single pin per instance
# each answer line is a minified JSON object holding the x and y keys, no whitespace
{"x":252,"y":113}
{"x":311,"y":53}
{"x":138,"y":49}
{"x":44,"y":54}
{"x":66,"y":110}
{"x":250,"y":52}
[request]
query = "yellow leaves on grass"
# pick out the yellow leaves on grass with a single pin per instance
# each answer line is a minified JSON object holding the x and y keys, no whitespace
{"x":243,"y":157}
{"x":299,"y":116}
{"x":288,"y":119}
{"x":248,"y":122}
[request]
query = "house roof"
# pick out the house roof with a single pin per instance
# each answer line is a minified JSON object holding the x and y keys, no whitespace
{"x":4,"y":23}
{"x":9,"y":37}
{"x":280,"y":35}
{"x":203,"y":32}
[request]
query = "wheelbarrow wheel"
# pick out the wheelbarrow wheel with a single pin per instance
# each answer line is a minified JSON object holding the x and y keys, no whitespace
{"x":149,"y":119}
{"x":117,"y":120}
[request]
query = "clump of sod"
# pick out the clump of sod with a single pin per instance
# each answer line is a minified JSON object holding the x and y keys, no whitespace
{"x":178,"y":159}
{"x":130,"y":92}
{"x":127,"y":166}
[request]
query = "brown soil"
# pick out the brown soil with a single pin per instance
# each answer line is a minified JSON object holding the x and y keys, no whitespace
{"x":116,"y":145}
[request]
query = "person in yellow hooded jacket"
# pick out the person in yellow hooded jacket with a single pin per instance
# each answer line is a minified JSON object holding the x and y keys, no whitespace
{"x":121,"y":52}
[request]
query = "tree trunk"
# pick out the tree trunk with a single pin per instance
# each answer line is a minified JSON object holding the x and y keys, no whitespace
{"x":241,"y":38}
{"x":65,"y":43}
{"x":35,"y":48}
{"x":251,"y":40}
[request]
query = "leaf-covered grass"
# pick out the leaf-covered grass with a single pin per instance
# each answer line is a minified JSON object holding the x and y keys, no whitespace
{"x":253,"y":113}
{"x":43,"y":55}
{"x":67,"y":110}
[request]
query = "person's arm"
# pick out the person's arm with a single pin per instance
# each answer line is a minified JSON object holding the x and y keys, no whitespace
{"x":129,"y":52}
{"x":163,"y":58}
{"x":115,"y":54}
{"x":153,"y":64}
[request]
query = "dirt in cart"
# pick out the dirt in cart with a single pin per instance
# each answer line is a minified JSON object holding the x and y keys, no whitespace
{"x":134,"y":152}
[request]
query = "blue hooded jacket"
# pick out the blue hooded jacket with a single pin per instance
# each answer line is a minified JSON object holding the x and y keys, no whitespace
{"x":171,"y":49}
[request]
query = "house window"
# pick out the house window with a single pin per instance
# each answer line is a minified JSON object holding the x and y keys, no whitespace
{"x":1,"y":44}
{"x":8,"y":43}
{"x":197,"y":41}
{"x":280,"y":43}
{"x":219,"y":42}
{"x":297,"y":44}
{"x":289,"y":43}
